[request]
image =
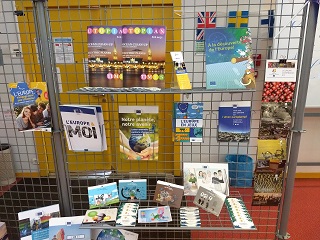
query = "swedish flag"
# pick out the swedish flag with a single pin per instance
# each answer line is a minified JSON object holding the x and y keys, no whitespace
{"x":238,"y":19}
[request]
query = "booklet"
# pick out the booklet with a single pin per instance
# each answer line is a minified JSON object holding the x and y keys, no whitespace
{"x":103,"y":195}
{"x":154,"y":215}
{"x":133,"y":189}
{"x":113,"y":234}
{"x":168,"y":194}
{"x":100,"y":215}
{"x":210,"y":200}
{"x":68,"y":228}
{"x":34,"y":224}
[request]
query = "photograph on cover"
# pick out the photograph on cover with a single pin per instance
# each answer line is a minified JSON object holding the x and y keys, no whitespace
{"x":275,"y":120}
{"x":31,"y":106}
{"x":209,"y":175}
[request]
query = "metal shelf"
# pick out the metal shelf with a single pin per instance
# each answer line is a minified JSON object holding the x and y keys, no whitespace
{"x":101,"y":90}
{"x":209,"y":222}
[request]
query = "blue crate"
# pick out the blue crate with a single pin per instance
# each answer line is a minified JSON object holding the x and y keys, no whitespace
{"x":240,"y":170}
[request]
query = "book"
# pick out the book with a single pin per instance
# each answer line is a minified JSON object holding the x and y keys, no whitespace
{"x":229,"y":60}
{"x":138,"y":129}
{"x":82,"y":128}
{"x":31,"y":106}
{"x":239,"y":214}
{"x":100,"y":215}
{"x":133,"y":189}
{"x":168,"y":194}
{"x":275,"y":120}
{"x":267,"y":187}
{"x":143,"y":52}
{"x":127,"y":214}
{"x":234,"y":121}
{"x":34,"y":224}
{"x":187,"y":122}
{"x":213,"y":176}
{"x":280,"y":80}
{"x":103,"y":195}
{"x":105,"y":56}
{"x":210,"y":200}
{"x":154,"y":215}
{"x":68,"y":228}
{"x":113,"y":234}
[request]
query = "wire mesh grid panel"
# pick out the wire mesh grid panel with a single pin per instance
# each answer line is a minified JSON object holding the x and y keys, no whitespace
{"x":70,"y":24}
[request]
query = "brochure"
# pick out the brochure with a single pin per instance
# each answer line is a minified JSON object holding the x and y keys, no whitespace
{"x":133,"y":189}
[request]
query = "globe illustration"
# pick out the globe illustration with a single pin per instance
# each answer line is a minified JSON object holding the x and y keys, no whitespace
{"x":139,"y":143}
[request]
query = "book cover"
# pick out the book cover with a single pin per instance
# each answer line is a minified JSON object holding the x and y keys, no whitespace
{"x":280,"y":81}
{"x":213,"y":176}
{"x":143,"y":52}
{"x":31,"y":106}
{"x":275,"y":120}
{"x":68,"y":228}
{"x":267,"y":188}
{"x":82,"y":128}
{"x":154,"y":215}
{"x":133,"y":189}
{"x":100,"y":215}
{"x":234,"y":121}
{"x":168,"y":194}
{"x":188,"y":122}
{"x":210,"y":200}
{"x":34,"y":224}
{"x":138,"y":129}
{"x":127,"y":214}
{"x":229,"y":61}
{"x":103,"y":195}
{"x":271,"y":153}
{"x":105,"y":56}
{"x":113,"y":234}
{"x":239,"y":214}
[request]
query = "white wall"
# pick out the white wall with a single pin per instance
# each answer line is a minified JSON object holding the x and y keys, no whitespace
{"x":22,"y":144}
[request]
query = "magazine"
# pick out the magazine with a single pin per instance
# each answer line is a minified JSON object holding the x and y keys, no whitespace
{"x":82,"y":126}
{"x":212,"y":176}
{"x":187,"y":122}
{"x":34,"y":224}
{"x":234,"y":121}
{"x":103,"y":195}
{"x":31,"y":106}
{"x":105,"y":56}
{"x":68,"y":228}
{"x":229,"y":60}
{"x":143,"y":52}
{"x":138,"y":129}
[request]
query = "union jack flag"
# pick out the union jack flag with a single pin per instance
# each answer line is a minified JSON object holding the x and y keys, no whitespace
{"x":206,"y":20}
{"x":200,"y":34}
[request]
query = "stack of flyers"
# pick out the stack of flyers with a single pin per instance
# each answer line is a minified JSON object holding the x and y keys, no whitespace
{"x":190,"y":217}
{"x":239,"y":214}
{"x":154,"y":215}
{"x":100,"y":215}
{"x":127,"y":214}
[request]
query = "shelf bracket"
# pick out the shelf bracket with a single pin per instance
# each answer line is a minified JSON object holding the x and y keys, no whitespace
{"x":299,"y":131}
{"x":287,"y":236}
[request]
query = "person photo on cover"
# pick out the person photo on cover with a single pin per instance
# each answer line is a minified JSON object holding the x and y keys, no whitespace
{"x":47,"y":112}
{"x":38,"y":116}
{"x":25,"y":120}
